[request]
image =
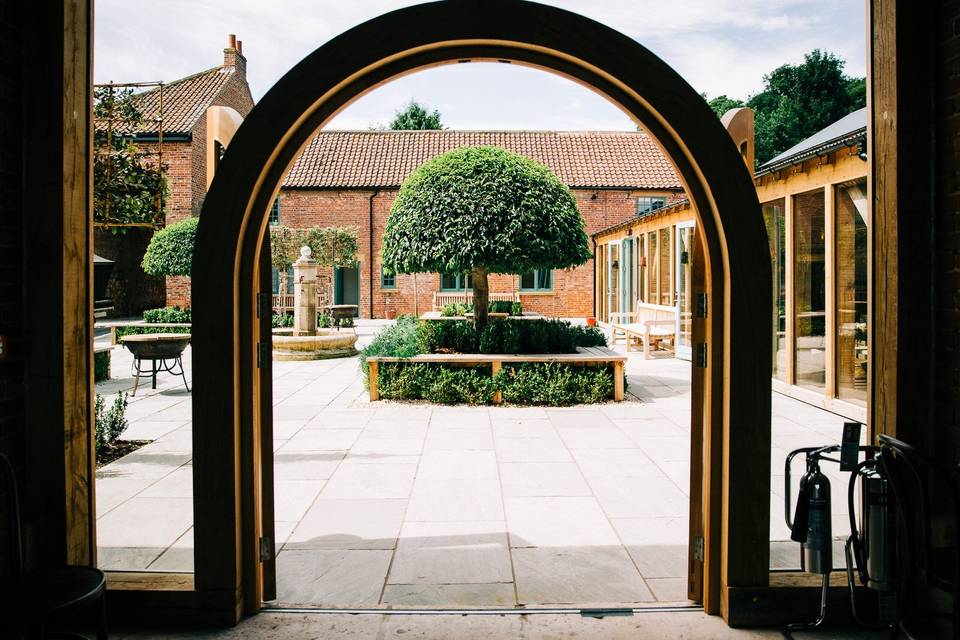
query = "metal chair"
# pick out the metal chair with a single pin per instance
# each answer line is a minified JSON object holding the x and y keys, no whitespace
{"x":30,"y":600}
{"x":928,"y":498}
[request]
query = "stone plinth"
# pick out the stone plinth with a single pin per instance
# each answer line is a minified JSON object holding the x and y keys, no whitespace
{"x":305,"y":294}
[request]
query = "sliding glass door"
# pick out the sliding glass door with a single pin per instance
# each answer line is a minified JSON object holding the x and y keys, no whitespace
{"x":684,"y":293}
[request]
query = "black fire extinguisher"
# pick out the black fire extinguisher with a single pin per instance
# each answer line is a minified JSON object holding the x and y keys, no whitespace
{"x":811,"y":525}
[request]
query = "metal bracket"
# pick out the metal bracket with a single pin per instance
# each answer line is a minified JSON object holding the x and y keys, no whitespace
{"x":700,"y":355}
{"x":700,"y":305}
{"x":698,"y":550}
{"x":266,"y":549}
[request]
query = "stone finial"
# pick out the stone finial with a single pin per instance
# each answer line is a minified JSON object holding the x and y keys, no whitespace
{"x":305,"y":252}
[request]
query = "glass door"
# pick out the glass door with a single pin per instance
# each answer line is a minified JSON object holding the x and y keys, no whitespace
{"x":626,"y":276}
{"x":613,"y":279}
{"x":684,"y":294}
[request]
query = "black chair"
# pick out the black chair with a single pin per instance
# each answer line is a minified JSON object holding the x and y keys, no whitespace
{"x":928,"y":497}
{"x":30,"y":600}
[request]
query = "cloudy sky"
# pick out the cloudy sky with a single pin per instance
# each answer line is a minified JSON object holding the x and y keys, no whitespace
{"x":719,"y":46}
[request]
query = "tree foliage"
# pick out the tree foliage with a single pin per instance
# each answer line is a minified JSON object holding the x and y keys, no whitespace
{"x":415,"y":117}
{"x":797,"y":101}
{"x":128,"y":188}
{"x":483,"y":210}
{"x":170,"y":252}
{"x":329,"y":246}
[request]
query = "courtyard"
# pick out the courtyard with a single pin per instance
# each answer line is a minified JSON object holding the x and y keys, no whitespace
{"x":389,"y":504}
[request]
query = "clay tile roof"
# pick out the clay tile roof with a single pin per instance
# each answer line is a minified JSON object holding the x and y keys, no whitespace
{"x":184,"y":101}
{"x":355,"y":159}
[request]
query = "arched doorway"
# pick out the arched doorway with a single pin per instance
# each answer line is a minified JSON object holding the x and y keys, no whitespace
{"x":731,"y":382}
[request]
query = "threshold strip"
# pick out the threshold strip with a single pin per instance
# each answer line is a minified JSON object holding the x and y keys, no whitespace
{"x":583,"y":612}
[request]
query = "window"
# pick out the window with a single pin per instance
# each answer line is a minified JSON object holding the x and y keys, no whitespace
{"x":649,"y":204}
{"x":455,"y":281}
{"x":288,"y":278}
{"x":810,"y":287}
{"x":851,"y":281}
{"x":275,"y":211}
{"x":387,"y":280}
{"x":537,"y":280}
{"x":774,"y":218}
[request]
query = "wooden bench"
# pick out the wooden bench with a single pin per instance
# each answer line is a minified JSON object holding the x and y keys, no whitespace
{"x":585,"y":356}
{"x":650,"y":324}
{"x":443,"y":298}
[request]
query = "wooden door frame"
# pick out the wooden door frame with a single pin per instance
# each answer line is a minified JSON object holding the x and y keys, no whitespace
{"x":235,"y":216}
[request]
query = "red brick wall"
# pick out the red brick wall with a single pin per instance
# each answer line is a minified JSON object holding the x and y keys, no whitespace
{"x":573,"y":289}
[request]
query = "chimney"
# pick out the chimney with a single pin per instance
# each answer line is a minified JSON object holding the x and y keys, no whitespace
{"x":233,"y":56}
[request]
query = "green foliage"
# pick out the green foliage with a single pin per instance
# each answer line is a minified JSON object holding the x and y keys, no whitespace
{"x":110,"y":423}
{"x":281,"y":320}
{"x":508,"y":336}
{"x":722,"y":104}
{"x":483,"y":207}
{"x":101,"y":366}
{"x":439,"y":384}
{"x":415,"y":117}
{"x":400,"y":340}
{"x":516,"y":309}
{"x":128,"y":188}
{"x":140,"y":329}
{"x":500,"y":306}
{"x":167,"y":315}
{"x":324,"y":321}
{"x":170,"y":252}
{"x":329,"y":246}
{"x":346,"y":322}
{"x":799,"y":100}
{"x":554,"y":384}
{"x":456,"y":309}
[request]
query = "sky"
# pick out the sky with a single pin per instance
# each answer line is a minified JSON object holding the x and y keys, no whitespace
{"x":718,"y":46}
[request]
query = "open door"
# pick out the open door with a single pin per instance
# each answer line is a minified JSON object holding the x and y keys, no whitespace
{"x":268,"y":553}
{"x":696,"y":552}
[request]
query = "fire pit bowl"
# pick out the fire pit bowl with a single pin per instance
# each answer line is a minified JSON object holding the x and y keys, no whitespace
{"x":157,"y":348}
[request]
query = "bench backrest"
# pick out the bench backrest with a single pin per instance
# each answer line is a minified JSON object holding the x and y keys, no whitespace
{"x":646,"y":311}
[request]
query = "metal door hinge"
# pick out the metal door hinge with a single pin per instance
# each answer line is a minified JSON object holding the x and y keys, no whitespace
{"x":266,"y":549}
{"x":698,"y":548}
{"x":264,"y":351}
{"x":700,"y":355}
{"x":700,"y":305}
{"x":264,"y":305}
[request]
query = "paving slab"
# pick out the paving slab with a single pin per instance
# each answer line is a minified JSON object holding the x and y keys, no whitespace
{"x":451,"y":552}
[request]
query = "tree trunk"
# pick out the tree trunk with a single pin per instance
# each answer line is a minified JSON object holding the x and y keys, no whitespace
{"x":481,"y":295}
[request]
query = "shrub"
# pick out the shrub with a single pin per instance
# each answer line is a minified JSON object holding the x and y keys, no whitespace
{"x":281,"y":320}
{"x":507,"y":336}
{"x":500,"y":337}
{"x":323,"y":320}
{"x":588,"y":336}
{"x":400,"y":341}
{"x":456,"y":309}
{"x":554,"y":384}
{"x":448,"y":336}
{"x":501,"y":306}
{"x":440,"y":384}
{"x":516,"y":309}
{"x":101,"y":366}
{"x":110,"y":423}
{"x":346,"y":322}
{"x":170,"y":252}
{"x":167,"y":315}
{"x":139,"y":329}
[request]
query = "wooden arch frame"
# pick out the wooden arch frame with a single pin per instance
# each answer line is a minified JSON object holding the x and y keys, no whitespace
{"x":733,"y":388}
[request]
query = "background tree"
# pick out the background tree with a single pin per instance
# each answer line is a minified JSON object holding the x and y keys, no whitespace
{"x":797,"y":101}
{"x":170,"y":252}
{"x":127,"y":187}
{"x":415,"y":117}
{"x":329,"y":247}
{"x":483,"y":210}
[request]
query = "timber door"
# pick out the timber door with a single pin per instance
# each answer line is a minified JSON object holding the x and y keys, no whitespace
{"x":684,"y":294}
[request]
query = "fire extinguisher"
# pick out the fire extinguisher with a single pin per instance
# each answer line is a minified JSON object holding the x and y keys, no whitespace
{"x":811,"y":525}
{"x":872,"y":547}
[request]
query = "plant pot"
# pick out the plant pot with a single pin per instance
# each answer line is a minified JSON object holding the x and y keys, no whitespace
{"x":391,"y":314}
{"x":591,"y":322}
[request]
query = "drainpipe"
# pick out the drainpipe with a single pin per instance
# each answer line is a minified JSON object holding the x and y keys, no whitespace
{"x":370,"y":227}
{"x":593,"y":311}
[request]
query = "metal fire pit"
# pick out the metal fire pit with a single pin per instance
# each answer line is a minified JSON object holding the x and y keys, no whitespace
{"x":340,"y":312}
{"x":157,"y":348}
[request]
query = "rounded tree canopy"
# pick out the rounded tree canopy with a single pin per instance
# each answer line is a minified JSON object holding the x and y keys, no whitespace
{"x":483,"y":207}
{"x":170,"y":252}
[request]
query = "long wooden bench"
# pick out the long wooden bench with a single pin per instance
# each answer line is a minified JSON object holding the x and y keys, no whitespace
{"x":650,"y":324}
{"x":585,"y":356}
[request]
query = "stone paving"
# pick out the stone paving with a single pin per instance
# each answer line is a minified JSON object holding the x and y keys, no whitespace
{"x":410,"y":505}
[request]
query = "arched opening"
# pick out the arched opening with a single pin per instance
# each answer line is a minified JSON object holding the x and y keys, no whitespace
{"x":731,"y":389}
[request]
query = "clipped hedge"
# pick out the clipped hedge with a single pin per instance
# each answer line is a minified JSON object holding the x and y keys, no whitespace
{"x":170,"y":252}
{"x":537,"y":383}
{"x":518,"y":337}
{"x":139,"y":329}
{"x":101,"y":366}
{"x":167,"y":315}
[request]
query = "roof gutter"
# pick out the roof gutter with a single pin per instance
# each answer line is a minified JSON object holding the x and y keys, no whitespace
{"x":847,"y":140}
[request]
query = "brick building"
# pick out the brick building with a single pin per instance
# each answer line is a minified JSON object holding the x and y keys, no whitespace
{"x":199,"y":116}
{"x":351,"y":178}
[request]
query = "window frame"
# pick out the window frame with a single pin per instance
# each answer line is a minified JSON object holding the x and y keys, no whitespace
{"x":275,"y":212}
{"x":383,"y":280}
{"x":459,"y":279}
{"x":662,"y":200}
{"x":536,"y":286}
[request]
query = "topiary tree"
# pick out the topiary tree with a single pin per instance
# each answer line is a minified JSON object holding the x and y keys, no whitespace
{"x":170,"y":252}
{"x":483,"y":210}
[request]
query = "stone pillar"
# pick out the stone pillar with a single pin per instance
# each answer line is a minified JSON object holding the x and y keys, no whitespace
{"x":305,"y":294}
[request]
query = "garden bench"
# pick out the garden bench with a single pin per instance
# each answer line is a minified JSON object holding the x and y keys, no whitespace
{"x":650,"y":324}
{"x":443,"y":298}
{"x":592,"y":356}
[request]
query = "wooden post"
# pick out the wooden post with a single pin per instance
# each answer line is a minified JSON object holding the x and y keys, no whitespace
{"x":494,"y":370}
{"x":618,"y":379}
{"x":374,"y":389}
